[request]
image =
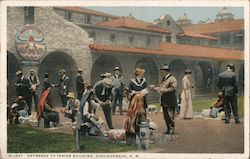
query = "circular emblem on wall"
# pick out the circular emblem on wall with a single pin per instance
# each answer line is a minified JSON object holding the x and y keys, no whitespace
{"x":30,"y":42}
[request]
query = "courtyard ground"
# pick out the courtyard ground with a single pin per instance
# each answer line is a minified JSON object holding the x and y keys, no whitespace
{"x":193,"y":136}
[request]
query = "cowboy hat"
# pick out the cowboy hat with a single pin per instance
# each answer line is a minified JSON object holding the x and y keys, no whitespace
{"x":187,"y":71}
{"x":14,"y":105}
{"x":117,"y":68}
{"x":231,"y":66}
{"x":71,"y":95}
{"x":80,"y":70}
{"x":18,"y":73}
{"x":62,"y":71}
{"x":165,"y":67}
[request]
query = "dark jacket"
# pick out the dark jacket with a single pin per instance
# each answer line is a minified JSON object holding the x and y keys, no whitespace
{"x":63,"y":85}
{"x":79,"y":83}
{"x":23,"y":89}
{"x":98,"y":90}
{"x":46,"y":84}
{"x":227,"y":83}
{"x":136,"y":85}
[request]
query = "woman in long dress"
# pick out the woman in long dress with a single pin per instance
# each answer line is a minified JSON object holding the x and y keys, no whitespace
{"x":186,"y":111}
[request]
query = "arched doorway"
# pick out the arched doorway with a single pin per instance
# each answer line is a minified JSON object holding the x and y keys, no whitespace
{"x":241,"y":79}
{"x":151,"y":75}
{"x":52,"y":64}
{"x":12,"y":67}
{"x":177,"y":68}
{"x":105,"y":63}
{"x":204,"y":79}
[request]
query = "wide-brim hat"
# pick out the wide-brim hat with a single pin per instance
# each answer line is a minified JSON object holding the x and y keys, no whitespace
{"x":80,"y":70}
{"x":102,"y":75}
{"x":139,"y":71}
{"x":231,"y":66}
{"x":187,"y":71}
{"x":32,"y":70}
{"x":14,"y":105}
{"x":71,"y":95}
{"x":18,"y":73}
{"x":117,"y":68}
{"x":107,"y":82}
{"x":62,"y":71}
{"x":165,"y":67}
{"x":107,"y":74}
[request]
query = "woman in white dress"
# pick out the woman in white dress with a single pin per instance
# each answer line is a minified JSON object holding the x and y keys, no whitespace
{"x":186,"y":111}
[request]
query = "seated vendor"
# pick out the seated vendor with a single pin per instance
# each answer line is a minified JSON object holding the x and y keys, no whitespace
{"x":218,"y":106}
{"x":18,"y":108}
{"x":86,"y":113}
{"x":46,"y":108}
{"x":72,"y":106}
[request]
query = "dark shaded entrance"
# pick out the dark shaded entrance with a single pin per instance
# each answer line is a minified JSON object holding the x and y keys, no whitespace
{"x":52,"y":64}
{"x":177,"y":68}
{"x":12,"y":67}
{"x":105,"y":63}
{"x":203,"y":79}
{"x":151,"y":75}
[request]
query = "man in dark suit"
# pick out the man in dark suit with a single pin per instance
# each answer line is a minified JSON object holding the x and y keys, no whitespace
{"x":79,"y":84}
{"x":34,"y":82}
{"x":168,"y":98}
{"x":63,"y":86}
{"x":102,"y":92}
{"x":23,"y":88}
{"x":228,"y":86}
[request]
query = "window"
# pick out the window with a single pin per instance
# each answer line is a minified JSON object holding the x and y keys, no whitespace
{"x":68,"y":15}
{"x":168,"y":39}
{"x":112,"y":37}
{"x":238,"y":38}
{"x":131,"y":39}
{"x":92,"y":34}
{"x":148,"y":41}
{"x":168,"y":22}
{"x":105,"y":19}
{"x":29,"y":15}
{"x":225,"y":39}
{"x":88,"y":19}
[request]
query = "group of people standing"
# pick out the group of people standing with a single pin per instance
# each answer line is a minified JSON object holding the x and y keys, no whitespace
{"x":108,"y":92}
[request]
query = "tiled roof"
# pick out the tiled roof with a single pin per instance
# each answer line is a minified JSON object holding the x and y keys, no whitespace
{"x":197,"y":35}
{"x":131,"y":23}
{"x":216,"y":27}
{"x":85,"y":11}
{"x":201,"y":51}
{"x":169,"y":49}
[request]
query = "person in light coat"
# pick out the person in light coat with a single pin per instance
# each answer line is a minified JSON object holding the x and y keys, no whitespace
{"x":186,"y":110}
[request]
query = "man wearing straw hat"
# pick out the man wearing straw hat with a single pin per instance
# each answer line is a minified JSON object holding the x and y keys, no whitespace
{"x":72,"y":105}
{"x":63,"y":86}
{"x":34,"y":82}
{"x":102,"y":92}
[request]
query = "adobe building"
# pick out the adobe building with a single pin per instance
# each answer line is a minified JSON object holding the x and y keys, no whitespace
{"x":74,"y":37}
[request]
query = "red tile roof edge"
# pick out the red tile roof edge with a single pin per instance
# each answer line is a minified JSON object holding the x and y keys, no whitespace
{"x":177,"y":50}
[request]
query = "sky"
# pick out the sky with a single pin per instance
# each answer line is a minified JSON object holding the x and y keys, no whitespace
{"x":149,"y":14}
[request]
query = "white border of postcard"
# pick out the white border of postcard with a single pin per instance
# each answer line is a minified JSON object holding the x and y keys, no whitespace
{"x":195,"y":3}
